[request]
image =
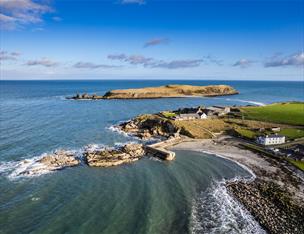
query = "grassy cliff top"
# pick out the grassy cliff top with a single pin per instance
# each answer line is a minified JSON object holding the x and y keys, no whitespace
{"x":171,"y":91}
{"x":286,"y":113}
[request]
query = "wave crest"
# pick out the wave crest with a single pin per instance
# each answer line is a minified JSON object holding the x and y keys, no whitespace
{"x":215,"y":211}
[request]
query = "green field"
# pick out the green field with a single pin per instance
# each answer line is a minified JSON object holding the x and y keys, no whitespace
{"x":246,"y":133}
{"x":168,"y":114}
{"x":292,"y":133}
{"x":296,"y":163}
{"x":284,"y":113}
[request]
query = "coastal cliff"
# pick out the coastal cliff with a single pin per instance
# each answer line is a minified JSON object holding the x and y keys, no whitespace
{"x":168,"y":91}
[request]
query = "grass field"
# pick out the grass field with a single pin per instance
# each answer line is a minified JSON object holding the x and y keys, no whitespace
{"x":285,"y":113}
{"x":200,"y":128}
{"x":246,"y":133}
{"x":168,"y":114}
{"x":292,"y":133}
{"x":296,"y":163}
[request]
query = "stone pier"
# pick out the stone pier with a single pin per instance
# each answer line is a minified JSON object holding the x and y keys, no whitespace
{"x":159,"y":149}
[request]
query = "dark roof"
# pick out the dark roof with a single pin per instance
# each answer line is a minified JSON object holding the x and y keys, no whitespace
{"x":189,"y":115}
{"x":274,"y":136}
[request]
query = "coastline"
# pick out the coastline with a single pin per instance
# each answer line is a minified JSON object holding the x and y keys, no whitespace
{"x":274,"y":197}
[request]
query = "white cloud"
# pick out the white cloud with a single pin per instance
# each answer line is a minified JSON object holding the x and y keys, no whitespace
{"x":17,"y":13}
{"x":57,"y":18}
{"x":139,"y":2}
{"x":296,"y":59}
{"x":89,"y":65}
{"x":42,"y":62}
{"x":243,"y":63}
{"x":5,"y":55}
{"x":176,"y":64}
{"x":156,"y":63}
{"x":156,"y":41}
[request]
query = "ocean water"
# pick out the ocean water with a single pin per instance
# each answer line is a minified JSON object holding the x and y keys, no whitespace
{"x":149,"y":196}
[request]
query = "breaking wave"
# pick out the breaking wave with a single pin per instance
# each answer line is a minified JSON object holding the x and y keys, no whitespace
{"x":247,"y":101}
{"x":134,"y":138}
{"x":29,"y":167}
{"x":248,"y":179}
{"x":116,"y":129}
{"x":215,"y":211}
{"x":23,"y":168}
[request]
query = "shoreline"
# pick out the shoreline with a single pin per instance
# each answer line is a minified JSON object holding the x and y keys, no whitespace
{"x":270,"y":195}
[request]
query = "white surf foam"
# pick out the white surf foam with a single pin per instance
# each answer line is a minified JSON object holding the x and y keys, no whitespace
{"x":247,"y":101}
{"x":29,"y":167}
{"x":252,"y":177}
{"x":215,"y":211}
{"x":132,"y":137}
{"x":120,"y":144}
{"x":23,"y":168}
{"x":95,"y":147}
{"x":116,"y":129}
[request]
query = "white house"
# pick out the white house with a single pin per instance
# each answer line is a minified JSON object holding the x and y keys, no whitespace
{"x":271,"y":140}
{"x":191,"y":116}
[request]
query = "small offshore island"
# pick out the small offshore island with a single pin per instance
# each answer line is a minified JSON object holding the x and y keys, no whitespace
{"x":168,"y":91}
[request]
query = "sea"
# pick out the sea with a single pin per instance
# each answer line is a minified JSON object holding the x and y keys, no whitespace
{"x":149,"y":196}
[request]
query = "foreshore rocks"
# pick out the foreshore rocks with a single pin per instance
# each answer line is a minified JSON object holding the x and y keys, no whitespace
{"x":91,"y":155}
{"x":85,"y":96}
{"x":270,"y":204}
{"x":60,"y":159}
{"x":113,"y":157}
{"x":148,"y":126}
{"x":51,"y":162}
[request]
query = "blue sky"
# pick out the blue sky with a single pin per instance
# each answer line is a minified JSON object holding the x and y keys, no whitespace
{"x":152,"y":39}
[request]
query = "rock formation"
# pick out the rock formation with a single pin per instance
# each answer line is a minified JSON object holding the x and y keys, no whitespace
{"x":147,"y":126}
{"x":55,"y":161}
{"x":113,"y":157}
{"x":59,"y":160}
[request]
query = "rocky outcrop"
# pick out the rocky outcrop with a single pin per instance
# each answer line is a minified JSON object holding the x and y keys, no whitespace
{"x":108,"y":157}
{"x":85,"y":96}
{"x":148,"y":126}
{"x":171,"y":91}
{"x":51,"y":162}
{"x":60,"y":159}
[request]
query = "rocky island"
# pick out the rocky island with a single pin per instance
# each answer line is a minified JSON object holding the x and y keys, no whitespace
{"x":167,"y":91}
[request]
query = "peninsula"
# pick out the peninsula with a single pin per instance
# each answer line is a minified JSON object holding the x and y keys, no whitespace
{"x":274,"y":194}
{"x":167,"y":91}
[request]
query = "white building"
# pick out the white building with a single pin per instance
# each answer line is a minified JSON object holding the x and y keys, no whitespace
{"x":191,"y":116}
{"x":271,"y":140}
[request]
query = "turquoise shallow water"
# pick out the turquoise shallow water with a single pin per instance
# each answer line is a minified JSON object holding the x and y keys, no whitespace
{"x":145,"y":197}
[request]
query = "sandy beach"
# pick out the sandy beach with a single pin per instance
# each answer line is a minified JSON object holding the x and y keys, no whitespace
{"x":223,"y":148}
